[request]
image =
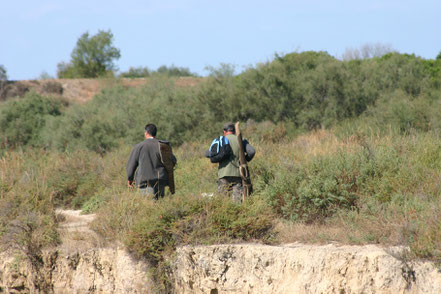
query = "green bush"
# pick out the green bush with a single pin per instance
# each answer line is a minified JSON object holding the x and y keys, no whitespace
{"x":174,"y":71}
{"x":299,"y":91}
{"x":314,"y":192}
{"x":74,"y":178}
{"x":21,"y":121}
{"x":27,"y":219}
{"x":153,"y":229}
{"x":171,"y":71}
{"x":403,"y":112}
{"x":109,"y":120}
{"x":136,"y":72}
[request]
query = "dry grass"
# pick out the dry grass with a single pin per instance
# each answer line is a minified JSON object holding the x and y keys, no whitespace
{"x":395,"y":180}
{"x":289,"y":232}
{"x":75,"y":233}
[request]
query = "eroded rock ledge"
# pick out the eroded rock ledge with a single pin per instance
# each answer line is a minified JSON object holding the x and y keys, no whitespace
{"x":300,"y":268}
{"x":84,"y":264}
{"x":103,"y":270}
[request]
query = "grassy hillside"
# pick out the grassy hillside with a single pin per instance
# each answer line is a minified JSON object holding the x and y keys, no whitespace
{"x":346,"y":152}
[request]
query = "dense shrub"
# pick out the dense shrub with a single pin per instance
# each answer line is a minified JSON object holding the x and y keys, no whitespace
{"x":3,"y":81}
{"x":153,"y":229}
{"x":74,"y":178}
{"x":301,"y":91}
{"x":52,"y":87}
{"x":171,"y":71}
{"x":174,"y":71}
{"x":313,"y":89}
{"x":21,"y":121}
{"x":109,"y":120}
{"x":315,"y":191}
{"x":136,"y":72}
{"x":27,"y":219}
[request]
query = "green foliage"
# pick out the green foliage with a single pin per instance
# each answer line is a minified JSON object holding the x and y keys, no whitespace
{"x":66,"y":71}
{"x":223,"y":71}
{"x":3,"y":73}
{"x":308,"y":89}
{"x":312,"y":89}
{"x":3,"y":80}
{"x":108,"y":120}
{"x":374,"y":186}
{"x":21,"y":121}
{"x":45,"y":76}
{"x":92,"y":57}
{"x":402,"y":112}
{"x":74,"y":178}
{"x":136,"y":72}
{"x":314,"y":192}
{"x":301,"y":91}
{"x":27,"y":221}
{"x":172,"y":71}
{"x":154,"y":229}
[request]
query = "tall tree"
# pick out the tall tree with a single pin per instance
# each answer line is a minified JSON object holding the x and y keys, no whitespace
{"x":93,"y":56}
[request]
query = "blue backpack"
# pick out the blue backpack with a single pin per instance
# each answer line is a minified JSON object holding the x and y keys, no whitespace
{"x":220,"y":149}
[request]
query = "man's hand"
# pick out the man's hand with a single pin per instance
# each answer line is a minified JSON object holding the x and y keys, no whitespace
{"x":130,"y":184}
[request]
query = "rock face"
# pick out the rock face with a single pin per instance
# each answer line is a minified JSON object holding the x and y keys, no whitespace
{"x":82,"y":264}
{"x":105,"y":270}
{"x":300,"y":268}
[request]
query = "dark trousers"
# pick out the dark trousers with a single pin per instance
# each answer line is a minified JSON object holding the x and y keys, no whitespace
{"x":155,"y":188}
{"x":233,"y":185}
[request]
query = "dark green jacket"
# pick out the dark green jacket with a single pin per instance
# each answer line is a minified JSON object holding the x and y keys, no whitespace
{"x":145,"y":160}
{"x":230,"y":166}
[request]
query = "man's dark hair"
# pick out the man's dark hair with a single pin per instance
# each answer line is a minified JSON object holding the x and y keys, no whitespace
{"x":229,"y":127}
{"x":150,"y":129}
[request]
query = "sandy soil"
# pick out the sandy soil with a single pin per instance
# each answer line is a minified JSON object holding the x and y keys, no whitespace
{"x":75,"y":232}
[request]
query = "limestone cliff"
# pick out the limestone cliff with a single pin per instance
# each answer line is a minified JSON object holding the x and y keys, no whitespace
{"x":81,"y":264}
{"x":84,"y":264}
{"x":300,"y":268}
{"x":104,"y":270}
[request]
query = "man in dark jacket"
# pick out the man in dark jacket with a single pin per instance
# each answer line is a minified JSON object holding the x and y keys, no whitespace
{"x":146,"y":160}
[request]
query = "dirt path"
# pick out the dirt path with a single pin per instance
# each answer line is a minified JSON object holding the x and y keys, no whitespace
{"x":74,"y":230}
{"x":73,"y":220}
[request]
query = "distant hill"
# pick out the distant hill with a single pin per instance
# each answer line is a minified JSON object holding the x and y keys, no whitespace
{"x":77,"y":90}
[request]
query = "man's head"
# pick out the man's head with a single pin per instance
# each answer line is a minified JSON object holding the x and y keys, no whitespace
{"x":229,"y":128}
{"x":150,"y":130}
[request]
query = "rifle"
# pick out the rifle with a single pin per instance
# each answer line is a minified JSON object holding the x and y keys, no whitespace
{"x":243,"y":167}
{"x":165,"y":151}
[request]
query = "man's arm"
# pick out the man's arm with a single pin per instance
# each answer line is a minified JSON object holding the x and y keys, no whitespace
{"x":132,"y":165}
{"x":249,"y":150}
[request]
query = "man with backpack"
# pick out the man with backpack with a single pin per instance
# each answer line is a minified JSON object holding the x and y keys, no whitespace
{"x":225,"y":150}
{"x":153,"y":162}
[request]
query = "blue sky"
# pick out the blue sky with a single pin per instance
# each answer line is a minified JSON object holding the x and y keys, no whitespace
{"x":37,"y":35}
